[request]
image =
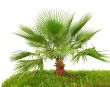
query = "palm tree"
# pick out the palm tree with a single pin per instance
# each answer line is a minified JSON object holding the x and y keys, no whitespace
{"x":55,"y":36}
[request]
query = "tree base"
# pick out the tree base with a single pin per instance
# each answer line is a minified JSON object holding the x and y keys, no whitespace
{"x":59,"y":72}
{"x":59,"y":67}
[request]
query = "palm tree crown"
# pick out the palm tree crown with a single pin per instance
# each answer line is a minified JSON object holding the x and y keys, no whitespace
{"x":55,"y":35}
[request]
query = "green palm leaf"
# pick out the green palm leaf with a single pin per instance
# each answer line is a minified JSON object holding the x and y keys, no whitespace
{"x":25,"y":66}
{"x":54,"y":27}
{"x":85,"y":36}
{"x":78,"y":26}
{"x":53,"y":24}
{"x":27,"y":30}
{"x":35,"y":39}
{"x":90,"y":52}
{"x":69,"y":22}
{"x":20,"y":55}
{"x":31,"y":35}
{"x":51,"y":54}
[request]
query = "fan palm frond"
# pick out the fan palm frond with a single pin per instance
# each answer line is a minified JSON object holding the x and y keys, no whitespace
{"x":20,"y":55}
{"x":25,"y":66}
{"x":82,"y":37}
{"x":53,"y":54}
{"x":85,"y":36}
{"x":27,"y":30}
{"x":54,"y":27}
{"x":78,"y":26}
{"x":90,"y":52}
{"x":70,"y":21}
{"x":31,"y":36}
{"x":53,"y":24}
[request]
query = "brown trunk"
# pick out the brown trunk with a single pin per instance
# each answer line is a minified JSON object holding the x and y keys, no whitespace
{"x":59,"y":67}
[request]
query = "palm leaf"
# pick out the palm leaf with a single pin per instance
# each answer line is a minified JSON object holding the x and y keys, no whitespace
{"x":34,"y":44}
{"x":31,"y":35}
{"x":59,"y":52}
{"x":36,"y":39}
{"x":27,"y":30}
{"x":85,"y":36}
{"x":25,"y":66}
{"x":90,"y":52}
{"x":70,"y":21}
{"x":51,"y":54}
{"x":53,"y":25}
{"x":20,"y":55}
{"x":78,"y":26}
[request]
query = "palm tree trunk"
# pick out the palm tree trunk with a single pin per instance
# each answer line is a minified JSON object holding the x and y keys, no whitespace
{"x":59,"y":67}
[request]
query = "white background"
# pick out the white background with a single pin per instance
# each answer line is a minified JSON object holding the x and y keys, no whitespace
{"x":15,"y":12}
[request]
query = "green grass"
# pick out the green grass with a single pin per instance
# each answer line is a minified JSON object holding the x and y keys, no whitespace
{"x":71,"y":79}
